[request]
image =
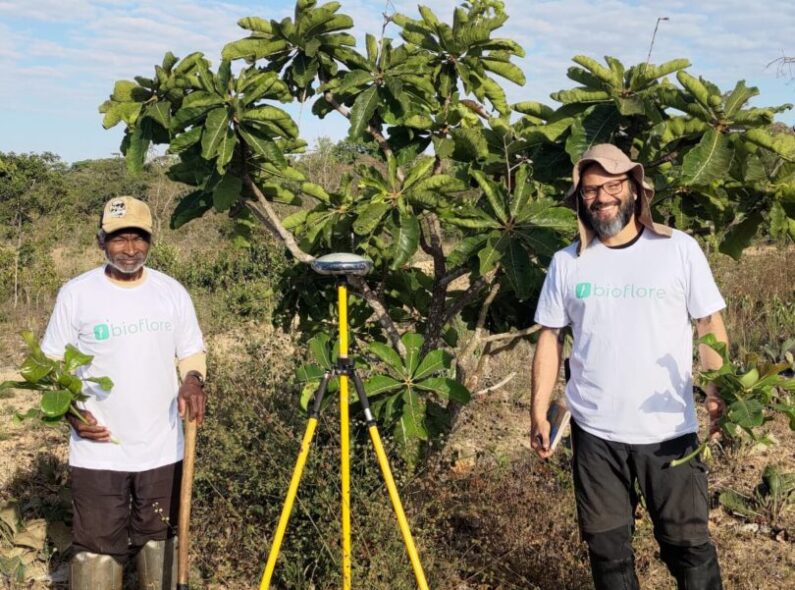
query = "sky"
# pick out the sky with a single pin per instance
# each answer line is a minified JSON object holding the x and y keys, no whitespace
{"x":59,"y":59}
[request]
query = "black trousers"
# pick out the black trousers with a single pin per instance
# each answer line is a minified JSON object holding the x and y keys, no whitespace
{"x":605,"y":478}
{"x":117,"y":512}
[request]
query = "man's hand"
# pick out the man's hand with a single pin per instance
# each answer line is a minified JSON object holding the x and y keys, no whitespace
{"x":539,"y":438}
{"x":89,"y":429}
{"x":715,"y":408}
{"x":192,"y":397}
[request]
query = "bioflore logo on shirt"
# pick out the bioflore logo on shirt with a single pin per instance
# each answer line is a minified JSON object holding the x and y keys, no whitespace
{"x":108,"y":330}
{"x":586,"y":290}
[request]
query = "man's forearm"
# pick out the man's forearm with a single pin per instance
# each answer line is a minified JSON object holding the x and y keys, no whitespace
{"x":712,"y":324}
{"x":546,"y":368}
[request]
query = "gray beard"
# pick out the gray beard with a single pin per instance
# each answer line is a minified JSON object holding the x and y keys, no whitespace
{"x":611,"y":227}
{"x":124,"y":270}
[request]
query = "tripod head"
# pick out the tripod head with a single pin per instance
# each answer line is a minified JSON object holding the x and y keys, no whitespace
{"x":342,"y":263}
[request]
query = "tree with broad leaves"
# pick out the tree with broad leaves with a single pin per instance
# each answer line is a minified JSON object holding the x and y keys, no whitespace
{"x":469,"y":180}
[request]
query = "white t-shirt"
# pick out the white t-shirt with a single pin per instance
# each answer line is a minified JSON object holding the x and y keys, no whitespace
{"x":135,"y":335}
{"x":630,"y":310}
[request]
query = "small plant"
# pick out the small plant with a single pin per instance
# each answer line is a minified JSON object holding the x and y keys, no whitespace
{"x":61,"y":389}
{"x":750,"y":393}
{"x":769,"y":500}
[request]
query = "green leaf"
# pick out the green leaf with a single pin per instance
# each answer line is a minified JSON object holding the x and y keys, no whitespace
{"x":160,"y":112}
{"x":192,"y":206}
{"x":225,"y":151}
{"x":35,"y":368}
{"x":55,"y":404}
{"x":739,"y":96}
{"x":516,"y":263}
{"x":363,"y":109}
{"x":696,"y":88}
{"x":227,"y":192}
{"x":413,"y":343}
{"x":306,"y":373}
{"x":105,"y":383}
{"x":418,"y":171}
{"x":493,"y":194}
{"x":746,"y":413}
{"x":369,"y":217}
{"x":200,"y":98}
{"x":73,"y":358}
{"x":446,"y":389}
{"x":388,"y":354}
{"x":260,"y":143}
{"x":597,"y":125}
{"x":406,"y":239}
{"x":709,"y":160}
{"x":135,"y":147}
{"x":316,"y":191}
{"x":740,"y":235}
{"x":434,"y":361}
{"x":183,"y":141}
{"x":319,"y":347}
{"x":492,"y":252}
{"x":379,"y":384}
{"x":412,"y":421}
{"x":782,"y":144}
{"x":215,"y":128}
{"x":274,"y":119}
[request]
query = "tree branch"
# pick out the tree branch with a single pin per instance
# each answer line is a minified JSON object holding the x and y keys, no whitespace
{"x":666,"y":158}
{"x":512,"y":335}
{"x":496,"y":386}
{"x":380,"y":311}
{"x":379,"y":138}
{"x":452,"y":275}
{"x":465,"y":298}
{"x":264,"y":211}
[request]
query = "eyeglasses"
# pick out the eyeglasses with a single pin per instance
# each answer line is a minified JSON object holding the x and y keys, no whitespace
{"x":612,"y":187}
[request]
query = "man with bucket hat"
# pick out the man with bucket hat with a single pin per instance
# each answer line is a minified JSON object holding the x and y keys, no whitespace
{"x":126,"y":457}
{"x":629,"y":289}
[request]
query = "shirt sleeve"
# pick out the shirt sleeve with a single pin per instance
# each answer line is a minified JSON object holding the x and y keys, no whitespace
{"x":703,"y":296}
{"x":61,"y":329}
{"x":551,"y":309}
{"x":189,"y":336}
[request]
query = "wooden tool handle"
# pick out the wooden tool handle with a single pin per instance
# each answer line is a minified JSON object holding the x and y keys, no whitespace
{"x":185,"y":494}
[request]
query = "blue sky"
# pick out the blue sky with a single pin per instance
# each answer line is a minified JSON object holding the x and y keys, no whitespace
{"x":60,"y":58}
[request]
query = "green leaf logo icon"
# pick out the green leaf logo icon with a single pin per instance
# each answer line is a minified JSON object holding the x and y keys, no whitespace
{"x":101,"y":332}
{"x":583,"y":290}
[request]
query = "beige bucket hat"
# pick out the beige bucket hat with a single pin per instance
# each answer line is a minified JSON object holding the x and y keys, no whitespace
{"x":613,"y":161}
{"x":126,"y":212}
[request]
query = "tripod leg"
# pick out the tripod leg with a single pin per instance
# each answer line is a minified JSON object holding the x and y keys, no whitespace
{"x":292,"y":490}
{"x":397,"y":505}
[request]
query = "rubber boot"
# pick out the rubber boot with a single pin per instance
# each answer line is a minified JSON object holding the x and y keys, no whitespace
{"x":92,"y":571}
{"x":618,"y":574}
{"x":703,"y":577}
{"x":156,"y":564}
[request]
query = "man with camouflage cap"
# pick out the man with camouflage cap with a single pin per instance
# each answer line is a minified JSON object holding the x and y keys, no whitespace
{"x":126,"y":457}
{"x":629,"y":289}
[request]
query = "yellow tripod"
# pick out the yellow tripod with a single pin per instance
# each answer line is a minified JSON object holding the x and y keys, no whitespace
{"x":342,"y":266}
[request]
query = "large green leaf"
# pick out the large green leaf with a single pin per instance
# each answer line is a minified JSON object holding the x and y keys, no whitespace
{"x":56,"y":403}
{"x":739,"y":96}
{"x":413,"y":343}
{"x":261,"y":143}
{"x":363,"y":109}
{"x":740,"y":235}
{"x":35,"y":368}
{"x":492,"y":253}
{"x":73,"y":358}
{"x":227,"y":192}
{"x":446,"y":388}
{"x":388,"y":354}
{"x":319,"y":347}
{"x":274,"y":119}
{"x":369,"y":217}
{"x":215,"y":128}
{"x":412,"y":421}
{"x":516,"y":263}
{"x":225,"y":151}
{"x":746,"y":413}
{"x":434,"y":361}
{"x":379,"y":384}
{"x":406,"y":239}
{"x":597,"y":125}
{"x":709,"y":160}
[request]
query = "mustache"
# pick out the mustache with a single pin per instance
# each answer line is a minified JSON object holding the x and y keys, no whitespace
{"x":596,"y":205}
